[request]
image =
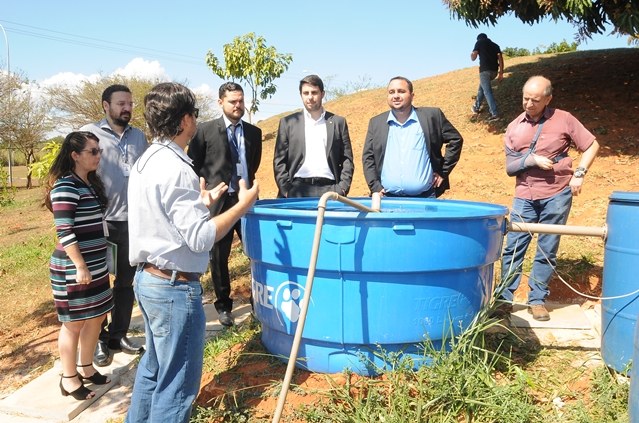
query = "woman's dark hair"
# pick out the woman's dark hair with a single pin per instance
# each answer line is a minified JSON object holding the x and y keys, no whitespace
{"x":64,"y":164}
{"x":165,"y":106}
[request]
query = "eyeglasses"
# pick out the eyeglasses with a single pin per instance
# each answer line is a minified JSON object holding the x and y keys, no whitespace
{"x":94,"y":151}
{"x":196,"y":112}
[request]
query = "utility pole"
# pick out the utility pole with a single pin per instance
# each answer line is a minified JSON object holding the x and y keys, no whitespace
{"x":10,"y":89}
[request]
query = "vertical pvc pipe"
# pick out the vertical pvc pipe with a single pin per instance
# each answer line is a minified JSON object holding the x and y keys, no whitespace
{"x":321,"y":209}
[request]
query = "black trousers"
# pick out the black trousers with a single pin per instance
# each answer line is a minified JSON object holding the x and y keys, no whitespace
{"x":219,"y":261}
{"x":123,"y":295}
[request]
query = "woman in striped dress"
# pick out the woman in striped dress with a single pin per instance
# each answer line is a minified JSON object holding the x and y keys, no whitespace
{"x":78,"y":268}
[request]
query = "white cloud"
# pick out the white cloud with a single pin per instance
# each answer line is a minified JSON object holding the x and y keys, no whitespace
{"x":205,"y":89}
{"x":68,"y":79}
{"x":141,"y":68}
{"x":137,"y":67}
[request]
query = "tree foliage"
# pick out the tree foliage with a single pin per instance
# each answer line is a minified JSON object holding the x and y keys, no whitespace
{"x":40,"y":169}
{"x":248,"y":59}
{"x":24,"y":119}
{"x":561,"y":47}
{"x":588,"y":16}
{"x":81,"y":104}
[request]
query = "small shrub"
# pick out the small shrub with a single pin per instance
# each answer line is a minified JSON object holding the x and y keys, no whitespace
{"x":7,"y":192}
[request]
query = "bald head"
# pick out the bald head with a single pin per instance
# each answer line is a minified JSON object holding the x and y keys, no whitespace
{"x":539,"y":83}
{"x":537,"y":93}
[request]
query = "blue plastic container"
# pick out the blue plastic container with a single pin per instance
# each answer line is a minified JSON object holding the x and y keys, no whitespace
{"x":420,"y":269}
{"x":621,"y":267}
{"x":633,"y":397}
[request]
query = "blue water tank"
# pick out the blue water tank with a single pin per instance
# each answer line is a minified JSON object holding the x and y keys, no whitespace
{"x":621,"y":267}
{"x":384,"y":282}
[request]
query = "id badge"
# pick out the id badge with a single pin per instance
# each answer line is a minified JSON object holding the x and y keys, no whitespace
{"x":126,"y":169}
{"x":106,"y":228}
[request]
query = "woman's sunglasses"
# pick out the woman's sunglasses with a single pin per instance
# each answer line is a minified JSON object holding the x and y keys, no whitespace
{"x":94,"y":151}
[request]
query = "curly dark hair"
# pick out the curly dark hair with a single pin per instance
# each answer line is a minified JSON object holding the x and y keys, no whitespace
{"x":63,"y":165}
{"x":165,"y":106}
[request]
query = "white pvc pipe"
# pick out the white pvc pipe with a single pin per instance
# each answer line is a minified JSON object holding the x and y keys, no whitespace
{"x":542,"y":228}
{"x":321,"y":209}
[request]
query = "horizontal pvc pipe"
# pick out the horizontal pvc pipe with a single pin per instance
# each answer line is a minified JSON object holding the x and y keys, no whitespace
{"x":541,"y":228}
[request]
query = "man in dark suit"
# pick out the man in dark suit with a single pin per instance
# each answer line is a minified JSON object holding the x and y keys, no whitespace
{"x":226,"y":150}
{"x":313,"y":153}
{"x":402,"y":154}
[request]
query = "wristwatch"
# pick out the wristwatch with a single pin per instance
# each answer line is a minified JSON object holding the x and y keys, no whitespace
{"x":580,"y":172}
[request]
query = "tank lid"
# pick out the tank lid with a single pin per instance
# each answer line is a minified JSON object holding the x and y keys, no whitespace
{"x":625,"y":196}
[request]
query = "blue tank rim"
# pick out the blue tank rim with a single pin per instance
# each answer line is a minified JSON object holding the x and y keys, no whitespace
{"x":292,"y":207}
{"x":626,"y":196}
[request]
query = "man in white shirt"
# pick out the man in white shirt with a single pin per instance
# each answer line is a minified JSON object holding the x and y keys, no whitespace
{"x":172,"y":232}
{"x":313,"y":153}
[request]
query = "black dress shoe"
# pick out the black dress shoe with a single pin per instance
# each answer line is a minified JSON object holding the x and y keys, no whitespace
{"x":102,"y":355}
{"x":129,"y":347}
{"x":226,"y":319}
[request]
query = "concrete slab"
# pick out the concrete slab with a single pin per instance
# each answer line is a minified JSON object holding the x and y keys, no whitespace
{"x":562,"y":316}
{"x":40,"y":400}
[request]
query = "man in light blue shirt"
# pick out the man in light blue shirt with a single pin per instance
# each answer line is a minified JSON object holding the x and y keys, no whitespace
{"x":402,"y":153}
{"x":172,"y":233}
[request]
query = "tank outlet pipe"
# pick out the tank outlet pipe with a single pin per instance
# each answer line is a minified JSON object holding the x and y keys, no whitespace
{"x":321,"y":209}
{"x":541,"y":228}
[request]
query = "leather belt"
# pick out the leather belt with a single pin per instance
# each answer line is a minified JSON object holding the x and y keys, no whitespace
{"x":315,"y":181}
{"x":168,"y":274}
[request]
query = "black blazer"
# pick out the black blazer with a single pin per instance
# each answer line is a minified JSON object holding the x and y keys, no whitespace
{"x":438,"y":131}
{"x":211,"y":154}
{"x":290,"y":148}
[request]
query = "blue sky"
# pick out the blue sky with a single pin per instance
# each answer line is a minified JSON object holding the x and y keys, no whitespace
{"x":339,"y":40}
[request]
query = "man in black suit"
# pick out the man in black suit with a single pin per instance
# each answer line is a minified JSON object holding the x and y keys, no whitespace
{"x":402,"y":154}
{"x":226,"y":150}
{"x":313,"y":153}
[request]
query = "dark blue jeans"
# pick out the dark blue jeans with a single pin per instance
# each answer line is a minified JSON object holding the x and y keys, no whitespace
{"x":553,"y":210}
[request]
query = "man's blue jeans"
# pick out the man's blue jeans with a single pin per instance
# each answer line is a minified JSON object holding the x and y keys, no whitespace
{"x":553,"y":210}
{"x":169,"y":373}
{"x":486,"y":90}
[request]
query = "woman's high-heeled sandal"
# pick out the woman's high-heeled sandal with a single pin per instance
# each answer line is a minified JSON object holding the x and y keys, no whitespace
{"x":82,"y":393}
{"x":96,"y":378}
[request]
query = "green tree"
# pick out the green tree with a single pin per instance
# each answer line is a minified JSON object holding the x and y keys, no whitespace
{"x":40,"y":169}
{"x":588,"y":16}
{"x":248,"y":59}
{"x":562,"y":47}
{"x":24,"y":121}
{"x":515,"y":52}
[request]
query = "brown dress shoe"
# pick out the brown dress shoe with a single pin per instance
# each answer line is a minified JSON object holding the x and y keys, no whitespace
{"x":539,"y":312}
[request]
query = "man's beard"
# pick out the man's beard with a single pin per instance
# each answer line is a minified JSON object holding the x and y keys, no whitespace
{"x":121,"y":121}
